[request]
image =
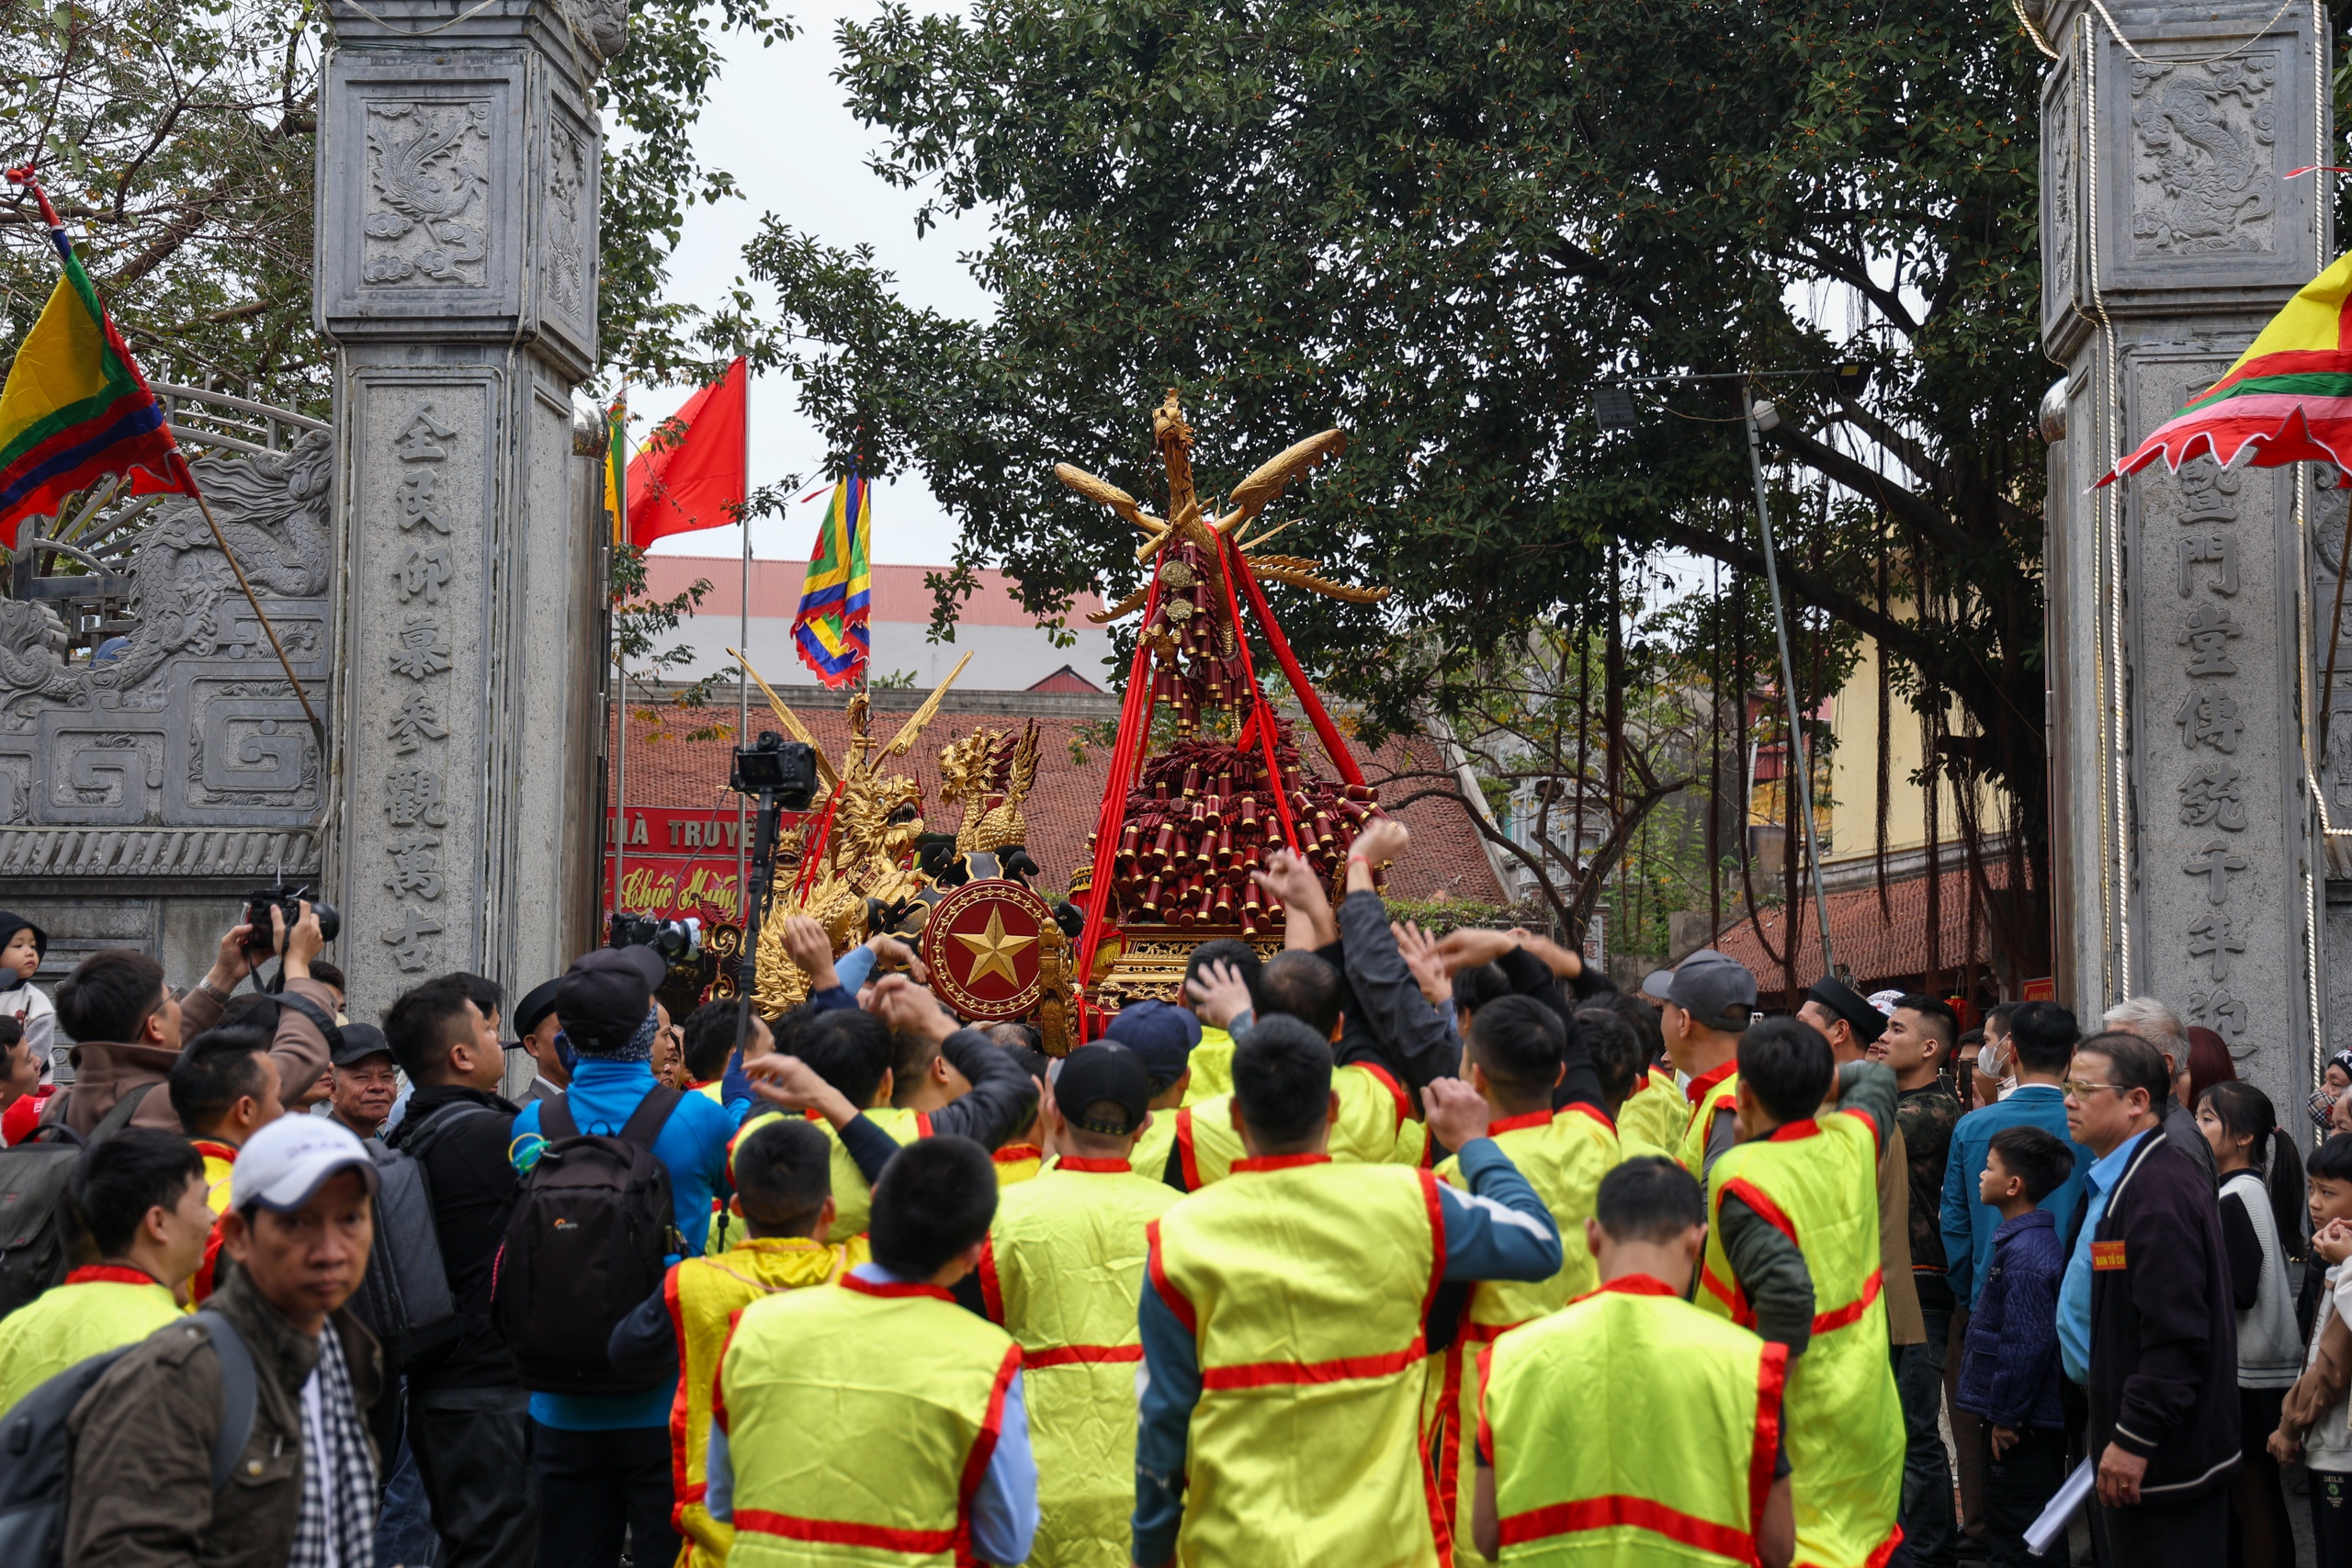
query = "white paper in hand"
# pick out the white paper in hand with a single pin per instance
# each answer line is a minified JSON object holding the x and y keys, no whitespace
{"x":2050,"y":1528}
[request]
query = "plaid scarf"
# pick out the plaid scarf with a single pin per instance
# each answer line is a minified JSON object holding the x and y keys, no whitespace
{"x":337,"y":1526}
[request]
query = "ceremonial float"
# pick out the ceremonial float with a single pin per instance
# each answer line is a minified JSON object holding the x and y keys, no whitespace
{"x":1192,"y":805}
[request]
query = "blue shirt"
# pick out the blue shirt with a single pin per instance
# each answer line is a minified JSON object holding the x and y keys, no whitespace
{"x":691,"y":1145}
{"x":1004,"y":1507}
{"x":2075,"y":1295}
{"x":1968,"y":1222}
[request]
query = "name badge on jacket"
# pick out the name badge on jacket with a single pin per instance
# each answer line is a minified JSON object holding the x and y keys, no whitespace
{"x":2107,"y":1255}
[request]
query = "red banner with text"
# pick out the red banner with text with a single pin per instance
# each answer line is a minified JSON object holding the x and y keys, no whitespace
{"x":680,"y":862}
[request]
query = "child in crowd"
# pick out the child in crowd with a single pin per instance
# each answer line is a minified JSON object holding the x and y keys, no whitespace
{"x":22,"y":947}
{"x":2009,"y":1370}
{"x":2313,"y":1426}
{"x":2262,"y":1190}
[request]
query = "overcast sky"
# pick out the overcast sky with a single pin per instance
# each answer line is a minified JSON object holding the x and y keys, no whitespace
{"x":777,"y":123}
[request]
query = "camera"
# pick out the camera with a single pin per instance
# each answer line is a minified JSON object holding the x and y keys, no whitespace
{"x":676,"y":941}
{"x":786,"y":767}
{"x":287,"y":901}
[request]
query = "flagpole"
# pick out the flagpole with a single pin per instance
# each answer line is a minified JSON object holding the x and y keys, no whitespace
{"x":743,"y":676}
{"x":620,"y":663}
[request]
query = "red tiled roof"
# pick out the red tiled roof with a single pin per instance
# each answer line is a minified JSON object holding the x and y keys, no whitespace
{"x":1881,"y":946}
{"x":1444,"y":861}
{"x":900,"y":592}
{"x":1067,"y":679}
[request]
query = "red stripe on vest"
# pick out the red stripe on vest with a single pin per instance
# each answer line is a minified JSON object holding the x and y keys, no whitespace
{"x":845,"y":1532}
{"x":1279,"y":1162}
{"x":1598,"y":1116}
{"x":1794,"y":1131}
{"x":1437,"y":1239}
{"x":1748,"y":1192}
{"x":1642,"y":1513}
{"x":1273,"y":1374}
{"x":1403,"y":1104}
{"x":678,"y":1412}
{"x":892,"y":1291}
{"x":991,"y":1289}
{"x":1074,"y":1355}
{"x":110,"y":1274}
{"x":976,"y":1463}
{"x":1189,"y":1163}
{"x":1163,"y":1287}
{"x":1771,"y":1378}
{"x":1095,"y":1167}
{"x":1847,"y":1315}
{"x":1519,"y":1123}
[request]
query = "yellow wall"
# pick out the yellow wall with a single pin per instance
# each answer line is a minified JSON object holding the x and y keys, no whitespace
{"x":1853,"y":812}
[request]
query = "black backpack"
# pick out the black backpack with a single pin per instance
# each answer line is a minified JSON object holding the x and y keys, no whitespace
{"x":404,"y":1297}
{"x":36,"y":1460}
{"x":590,"y":1239}
{"x":35,"y":1251}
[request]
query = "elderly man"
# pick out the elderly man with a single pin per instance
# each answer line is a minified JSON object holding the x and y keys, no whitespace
{"x":2157,"y":1024}
{"x":299,"y":1223}
{"x":366,"y":1083}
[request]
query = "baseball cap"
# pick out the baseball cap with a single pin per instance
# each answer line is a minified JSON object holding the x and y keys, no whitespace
{"x":606,"y":994}
{"x":1713,"y":988}
{"x":1850,"y":1004}
{"x":1103,"y":1071}
{"x":1886,"y":1002}
{"x":1158,"y":1032}
{"x":537,"y":1003}
{"x":361,"y":1041}
{"x":281,"y":1166}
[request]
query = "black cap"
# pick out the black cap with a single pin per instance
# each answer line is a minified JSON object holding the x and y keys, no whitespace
{"x":361,"y":1041}
{"x":1850,"y":1004}
{"x":1161,"y":1034}
{"x":537,"y":1003}
{"x":1100,"y":1072}
{"x":606,"y":994}
{"x":11,"y":923}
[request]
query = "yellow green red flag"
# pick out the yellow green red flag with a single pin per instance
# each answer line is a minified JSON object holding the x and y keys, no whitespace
{"x":829,"y":631}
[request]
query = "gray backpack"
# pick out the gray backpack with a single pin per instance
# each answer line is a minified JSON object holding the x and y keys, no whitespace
{"x":404,"y":1297}
{"x":34,"y":1246}
{"x":35,"y":1457}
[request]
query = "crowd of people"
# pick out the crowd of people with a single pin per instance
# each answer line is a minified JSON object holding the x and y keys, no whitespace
{"x":1386,"y":1249}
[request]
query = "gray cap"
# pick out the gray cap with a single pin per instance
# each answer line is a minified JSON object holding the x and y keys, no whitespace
{"x":1713,"y":988}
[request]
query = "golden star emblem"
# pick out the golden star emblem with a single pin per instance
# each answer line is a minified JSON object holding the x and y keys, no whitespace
{"x":993,"y":951}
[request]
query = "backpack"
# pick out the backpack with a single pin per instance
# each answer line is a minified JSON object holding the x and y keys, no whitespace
{"x":35,"y":1251}
{"x":36,"y":1460}
{"x":591,"y":1237}
{"x":404,"y":1297}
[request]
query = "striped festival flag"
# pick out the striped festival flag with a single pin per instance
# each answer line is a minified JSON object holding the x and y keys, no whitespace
{"x":2289,"y":396}
{"x":829,"y":631}
{"x":75,"y":409}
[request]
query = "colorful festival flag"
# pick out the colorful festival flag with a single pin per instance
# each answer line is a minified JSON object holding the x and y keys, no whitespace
{"x":75,"y":409}
{"x":617,"y":467}
{"x":829,"y":632}
{"x":2289,"y":396}
{"x":693,"y":472}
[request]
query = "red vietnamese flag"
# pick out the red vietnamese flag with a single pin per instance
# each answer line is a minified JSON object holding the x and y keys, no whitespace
{"x":690,"y":473}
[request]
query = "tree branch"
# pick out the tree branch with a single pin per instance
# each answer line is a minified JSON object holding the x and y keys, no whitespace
{"x":1893,"y":633}
{"x":1865,"y":481}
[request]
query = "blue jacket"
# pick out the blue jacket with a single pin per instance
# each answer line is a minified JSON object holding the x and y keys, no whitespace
{"x":2008,"y":1369}
{"x":1969,"y":1222}
{"x":693,"y":1146}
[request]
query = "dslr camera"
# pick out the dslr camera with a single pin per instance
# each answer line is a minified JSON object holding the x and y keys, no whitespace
{"x":287,"y":901}
{"x":675,"y":940}
{"x":786,"y":767}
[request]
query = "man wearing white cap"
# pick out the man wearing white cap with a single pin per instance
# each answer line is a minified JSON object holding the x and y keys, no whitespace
{"x":303,"y":1487}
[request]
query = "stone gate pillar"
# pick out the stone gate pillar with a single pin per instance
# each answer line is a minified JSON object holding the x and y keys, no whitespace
{"x":456,"y":273}
{"x":2186,"y":841}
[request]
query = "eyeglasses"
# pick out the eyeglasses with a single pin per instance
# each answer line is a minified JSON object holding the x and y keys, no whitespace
{"x":2082,"y":1090}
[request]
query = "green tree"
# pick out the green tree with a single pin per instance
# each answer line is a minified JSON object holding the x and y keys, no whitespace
{"x":1438,"y":225}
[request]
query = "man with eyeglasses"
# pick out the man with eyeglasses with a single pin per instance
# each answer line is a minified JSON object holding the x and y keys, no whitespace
{"x":2145,"y":1318}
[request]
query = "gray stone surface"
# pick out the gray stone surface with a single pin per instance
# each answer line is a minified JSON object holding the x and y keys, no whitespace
{"x":456,"y":273}
{"x":2186,"y":841}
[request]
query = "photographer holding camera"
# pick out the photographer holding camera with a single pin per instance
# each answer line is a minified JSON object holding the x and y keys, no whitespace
{"x":127,"y":1024}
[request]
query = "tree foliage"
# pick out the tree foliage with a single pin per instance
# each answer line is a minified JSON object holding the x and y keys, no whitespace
{"x":1439,"y":225}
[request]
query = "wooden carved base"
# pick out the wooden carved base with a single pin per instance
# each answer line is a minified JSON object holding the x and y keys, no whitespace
{"x":1152,"y":966}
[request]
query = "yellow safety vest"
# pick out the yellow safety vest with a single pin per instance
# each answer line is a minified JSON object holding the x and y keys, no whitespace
{"x":1563,"y":1155}
{"x":220,"y":1169}
{"x":1656,"y":1111}
{"x":852,"y":1200}
{"x":1374,"y":1114}
{"x":1211,"y":1064}
{"x":1062,"y":1273}
{"x":1149,"y":1154}
{"x":1017,"y":1163}
{"x":1630,"y":1428}
{"x":96,"y":1309}
{"x":1306,"y":1284}
{"x":1816,"y":1183}
{"x":1716,"y":1091}
{"x":904,"y":1391}
{"x":704,"y":1294}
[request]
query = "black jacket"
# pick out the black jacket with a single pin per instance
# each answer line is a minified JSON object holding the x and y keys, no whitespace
{"x":474,"y":1186}
{"x":2164,"y":1338}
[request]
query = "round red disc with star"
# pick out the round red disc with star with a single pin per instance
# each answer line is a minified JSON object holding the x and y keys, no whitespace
{"x":983,"y":944}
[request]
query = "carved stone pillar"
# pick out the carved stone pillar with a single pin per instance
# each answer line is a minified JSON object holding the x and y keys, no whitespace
{"x":2184,"y":829}
{"x":456,"y":249}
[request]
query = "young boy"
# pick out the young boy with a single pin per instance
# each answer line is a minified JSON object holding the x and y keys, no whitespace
{"x":22,"y":946}
{"x":2313,"y":1422}
{"x":2008,"y":1369}
{"x":881,"y":1415}
{"x":140,"y":1200}
{"x":1702,"y":1474}
{"x":784,"y":1191}
{"x":1514,"y":1058}
{"x":1062,"y":1273}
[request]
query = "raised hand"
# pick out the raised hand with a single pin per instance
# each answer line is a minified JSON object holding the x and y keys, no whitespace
{"x":1457,"y":1113}
{"x":1425,"y":961}
{"x":1219,"y":994}
{"x":908,"y":1007}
